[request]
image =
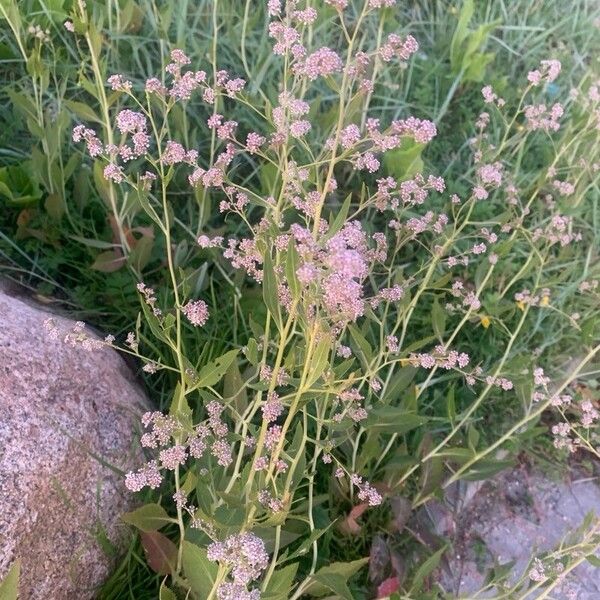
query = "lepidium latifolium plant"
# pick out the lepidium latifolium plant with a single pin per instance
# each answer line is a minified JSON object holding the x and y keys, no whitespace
{"x":361,"y":381}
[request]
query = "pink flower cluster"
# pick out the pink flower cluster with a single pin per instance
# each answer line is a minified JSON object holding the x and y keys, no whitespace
{"x":490,"y":97}
{"x":441,"y":357}
{"x":331,"y":270}
{"x":118,"y":83}
{"x":338,"y":4}
{"x":149,"y":296}
{"x":163,"y":429}
{"x":268,"y":501}
{"x":184,"y":84}
{"x":547,"y":73}
{"x":287,"y":119}
{"x":542,"y":118}
{"x":417,"y":225}
{"x":244,"y":254}
{"x":245,"y":556}
{"x":558,"y":231}
{"x":94,"y":145}
{"x":76,"y":336}
{"x":272,"y":409}
{"x":415,"y":191}
{"x":351,"y":406}
{"x":395,"y":46}
{"x":381,"y":3}
{"x":421,"y":130}
{"x":366,"y":492}
{"x":527,"y":298}
{"x":321,"y":63}
{"x":134,"y":125}
{"x":565,"y":188}
{"x":488,"y":177}
{"x":196,"y":312}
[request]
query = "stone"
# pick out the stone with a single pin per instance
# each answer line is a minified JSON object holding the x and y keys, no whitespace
{"x":68,"y":418}
{"x":517,"y":515}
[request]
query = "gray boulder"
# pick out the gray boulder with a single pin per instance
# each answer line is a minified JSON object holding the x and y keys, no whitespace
{"x":68,"y":420}
{"x":517,"y":515}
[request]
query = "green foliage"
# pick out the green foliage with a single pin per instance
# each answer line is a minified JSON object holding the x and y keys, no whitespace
{"x":17,"y":188}
{"x":466,"y":59}
{"x":75,"y":238}
{"x":150,"y":517}
{"x":199,"y":571}
{"x":9,"y":586}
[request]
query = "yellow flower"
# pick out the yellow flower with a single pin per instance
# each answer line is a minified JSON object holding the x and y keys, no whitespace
{"x":545,"y":301}
{"x":521,"y":305}
{"x":485,"y":321}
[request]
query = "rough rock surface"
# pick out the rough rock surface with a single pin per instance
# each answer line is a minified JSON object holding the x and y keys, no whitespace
{"x":59,"y":405}
{"x":519,"y":514}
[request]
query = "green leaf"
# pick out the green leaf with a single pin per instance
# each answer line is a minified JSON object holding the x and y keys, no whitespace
{"x":466,"y":59}
{"x":108,"y":262}
{"x":150,"y":517}
{"x":298,"y":465}
{"x":393,"y":419}
{"x":179,"y":408}
{"x":252,"y":351}
{"x":9,"y":587}
{"x":200,"y":572}
{"x":460,"y":34}
{"x":334,"y":578}
{"x":234,"y":388}
{"x":102,"y":185}
{"x":268,"y":174}
{"x":399,"y":382}
{"x":140,"y":254}
{"x":451,"y":405}
{"x":438,"y":319}
{"x":83,"y":111}
{"x":281,"y":583}
{"x":17,"y":186}
{"x":475,"y":71}
{"x":426,"y":569}
{"x":456,"y":455}
{"x":269,"y":287}
{"x":417,"y":345}
{"x":23,"y":104}
{"x":363,"y":345}
{"x":330,"y":582}
{"x":340,"y":218}
{"x":593,"y":560}
{"x":165,"y":593}
{"x":154,"y":323}
{"x":291,"y":266}
{"x":230,"y":517}
{"x":55,"y":205}
{"x":485,"y":469}
{"x":404,"y":161}
{"x":472,"y":437}
{"x":308,"y":542}
{"x":92,"y":243}
{"x":211,"y":373}
{"x":319,"y":360}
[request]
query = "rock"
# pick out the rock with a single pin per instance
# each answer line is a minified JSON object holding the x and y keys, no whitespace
{"x":62,"y":410}
{"x":514,"y":517}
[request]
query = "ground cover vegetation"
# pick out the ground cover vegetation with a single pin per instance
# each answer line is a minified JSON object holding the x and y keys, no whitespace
{"x":349,"y":246}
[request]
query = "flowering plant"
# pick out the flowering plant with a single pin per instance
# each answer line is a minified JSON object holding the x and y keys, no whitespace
{"x":350,"y":384}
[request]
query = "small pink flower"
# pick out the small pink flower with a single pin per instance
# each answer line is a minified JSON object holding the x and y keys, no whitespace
{"x":196,"y":312}
{"x":321,"y":63}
